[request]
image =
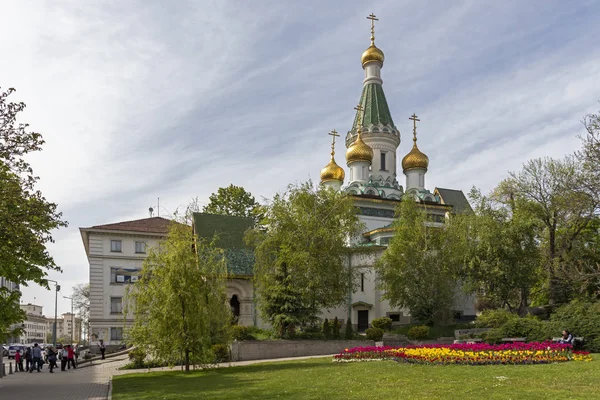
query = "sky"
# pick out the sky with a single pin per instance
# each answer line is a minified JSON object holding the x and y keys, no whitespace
{"x":140,"y":100}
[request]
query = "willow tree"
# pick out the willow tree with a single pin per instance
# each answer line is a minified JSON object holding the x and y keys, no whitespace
{"x":300,"y":249}
{"x":179,"y":304}
{"x":416,"y":270}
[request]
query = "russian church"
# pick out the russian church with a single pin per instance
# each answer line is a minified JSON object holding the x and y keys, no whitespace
{"x":372,"y":145}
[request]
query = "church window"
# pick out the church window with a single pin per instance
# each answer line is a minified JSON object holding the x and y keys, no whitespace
{"x":115,"y":246}
{"x":383,"y":161}
{"x":362,"y":282}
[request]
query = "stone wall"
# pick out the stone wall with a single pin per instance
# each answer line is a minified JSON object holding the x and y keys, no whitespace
{"x":266,"y":349}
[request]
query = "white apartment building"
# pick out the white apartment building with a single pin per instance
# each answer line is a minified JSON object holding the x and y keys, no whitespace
{"x":64,"y":324}
{"x":34,"y":327}
{"x":115,"y":254}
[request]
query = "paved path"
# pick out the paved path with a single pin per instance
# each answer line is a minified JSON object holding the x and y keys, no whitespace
{"x":89,"y":383}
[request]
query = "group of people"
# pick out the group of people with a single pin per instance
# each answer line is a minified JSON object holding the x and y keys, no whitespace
{"x":35,"y":359}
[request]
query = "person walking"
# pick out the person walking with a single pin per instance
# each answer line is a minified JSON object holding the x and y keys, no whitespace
{"x":28,"y":359}
{"x":51,"y":353}
{"x":70,"y":357}
{"x":64,"y":354}
{"x":36,"y":358}
{"x":102,"y":348}
{"x":18,"y":361}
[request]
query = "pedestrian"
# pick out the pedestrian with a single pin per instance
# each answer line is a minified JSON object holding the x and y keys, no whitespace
{"x":18,"y":361}
{"x":28,"y":359}
{"x":36,"y":358}
{"x":51,"y":358}
{"x":102,"y":348}
{"x":70,"y":357}
{"x":64,"y":354}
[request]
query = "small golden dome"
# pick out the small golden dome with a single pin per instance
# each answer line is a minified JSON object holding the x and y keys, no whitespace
{"x":359,"y":151}
{"x":373,"y":53}
{"x":415,"y":159}
{"x":332,"y":172}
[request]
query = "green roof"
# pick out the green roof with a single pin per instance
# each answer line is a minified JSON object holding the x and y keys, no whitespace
{"x":455,"y":198}
{"x":376,"y":110}
{"x":230,"y":232}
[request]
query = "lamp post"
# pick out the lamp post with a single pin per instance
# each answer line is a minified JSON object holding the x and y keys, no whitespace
{"x":57,"y":286}
{"x":72,"y":319}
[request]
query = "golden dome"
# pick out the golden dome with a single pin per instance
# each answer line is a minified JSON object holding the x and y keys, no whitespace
{"x":415,"y":159}
{"x":373,"y":53}
{"x":359,"y":151}
{"x":332,"y":172}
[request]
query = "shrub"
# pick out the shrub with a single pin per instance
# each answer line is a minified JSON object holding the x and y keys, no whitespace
{"x":494,"y":318}
{"x":375,"y":334}
{"x":240,"y":332}
{"x":384,"y":323}
{"x":581,"y":318}
{"x":221,"y":352}
{"x":349,"y":334}
{"x":418,"y":332}
{"x":335,"y":329}
{"x":326,"y":329}
{"x":137,"y":357}
{"x":531,"y":328}
{"x":493,"y":336}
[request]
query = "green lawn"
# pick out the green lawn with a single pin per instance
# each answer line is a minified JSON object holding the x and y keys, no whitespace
{"x":323,"y":379}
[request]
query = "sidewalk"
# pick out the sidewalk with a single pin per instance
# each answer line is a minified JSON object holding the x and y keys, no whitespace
{"x":91,"y":383}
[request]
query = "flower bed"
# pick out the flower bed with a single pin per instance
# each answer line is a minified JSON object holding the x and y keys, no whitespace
{"x":468,"y":354}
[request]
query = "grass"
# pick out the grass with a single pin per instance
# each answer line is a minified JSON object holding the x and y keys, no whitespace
{"x":322,"y":379}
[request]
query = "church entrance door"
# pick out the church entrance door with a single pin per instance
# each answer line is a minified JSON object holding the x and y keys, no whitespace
{"x":363,"y":320}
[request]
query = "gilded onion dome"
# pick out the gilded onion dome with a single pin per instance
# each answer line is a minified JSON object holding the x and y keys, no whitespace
{"x":359,"y":151}
{"x":415,"y":158}
{"x":373,"y":53}
{"x":332,"y":172}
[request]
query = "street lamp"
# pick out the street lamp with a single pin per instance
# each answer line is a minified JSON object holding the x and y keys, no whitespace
{"x":55,"y":311}
{"x":72,"y":320}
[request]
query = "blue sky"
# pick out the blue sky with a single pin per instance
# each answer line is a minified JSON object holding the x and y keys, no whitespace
{"x":146,"y":99}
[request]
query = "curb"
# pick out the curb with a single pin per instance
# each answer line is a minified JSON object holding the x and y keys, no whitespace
{"x":109,"y":396}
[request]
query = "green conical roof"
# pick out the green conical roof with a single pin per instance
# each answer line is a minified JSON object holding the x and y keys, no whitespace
{"x":375,"y":105}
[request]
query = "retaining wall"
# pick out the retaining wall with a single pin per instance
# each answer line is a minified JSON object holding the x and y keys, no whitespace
{"x":265,"y":349}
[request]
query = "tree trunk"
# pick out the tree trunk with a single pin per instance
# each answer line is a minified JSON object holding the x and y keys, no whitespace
{"x":187,"y":360}
{"x":552,"y":295}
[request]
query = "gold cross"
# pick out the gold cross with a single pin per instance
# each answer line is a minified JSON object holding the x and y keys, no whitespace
{"x":373,"y":19}
{"x":360,"y":109}
{"x":414,"y":119}
{"x":333,"y":135}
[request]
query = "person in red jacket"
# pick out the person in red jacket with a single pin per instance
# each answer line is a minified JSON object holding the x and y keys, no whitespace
{"x":70,"y":357}
{"x":18,"y":361}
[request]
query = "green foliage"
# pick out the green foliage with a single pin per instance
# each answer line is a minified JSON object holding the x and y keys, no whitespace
{"x":494,"y":318}
{"x":234,"y":200}
{"x":384,"y":323}
{"x":416,"y":270}
{"x":418,"y":332}
{"x":581,"y":318}
{"x":179,"y":304}
{"x":532,"y":329}
{"x":221,"y":352}
{"x":493,"y":336}
{"x":496,"y":252}
{"x":240,"y":332}
{"x":326,"y":329}
{"x":349,"y":332}
{"x":335,"y":328}
{"x":300,"y":252}
{"x":375,"y":334}
{"x":137,"y":357}
{"x":26,"y":217}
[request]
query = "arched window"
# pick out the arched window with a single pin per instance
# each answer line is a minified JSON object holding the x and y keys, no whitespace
{"x":235,"y":305}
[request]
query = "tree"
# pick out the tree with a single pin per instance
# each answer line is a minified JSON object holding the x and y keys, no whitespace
{"x":550,"y":191}
{"x":300,"y":248}
{"x":233,"y":200}
{"x":179,"y":303}
{"x":26,"y":217}
{"x":81,"y":302}
{"x":416,"y":270}
{"x":497,"y":253}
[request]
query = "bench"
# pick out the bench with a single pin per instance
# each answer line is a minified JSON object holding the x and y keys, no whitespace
{"x":513,"y":340}
{"x":576,"y":340}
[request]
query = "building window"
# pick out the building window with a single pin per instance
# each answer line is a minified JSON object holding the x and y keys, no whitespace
{"x":383,"y":161}
{"x":115,"y":246}
{"x":124,"y":275}
{"x":140,"y":247}
{"x":116,"y":333}
{"x":362,"y":282}
{"x":116,"y":305}
{"x":395,"y":317}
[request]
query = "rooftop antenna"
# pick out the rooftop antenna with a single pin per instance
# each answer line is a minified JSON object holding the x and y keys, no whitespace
{"x":158,"y":207}
{"x":151,"y":211}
